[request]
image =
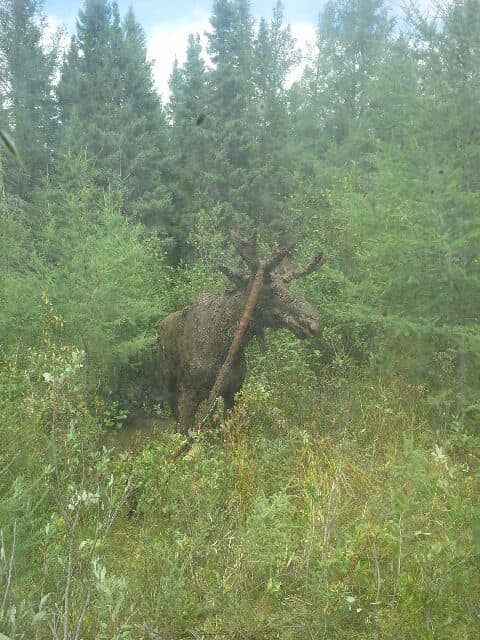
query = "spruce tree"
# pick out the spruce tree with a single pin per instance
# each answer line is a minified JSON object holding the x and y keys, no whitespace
{"x":143,"y":134}
{"x":352,"y":38}
{"x":274,"y":160}
{"x":402,"y":200}
{"x":457,"y":143}
{"x":231,"y":99}
{"x":88,"y":91}
{"x":27,"y":104}
{"x":231,"y":131}
{"x":190,"y":141}
{"x":111,"y":112}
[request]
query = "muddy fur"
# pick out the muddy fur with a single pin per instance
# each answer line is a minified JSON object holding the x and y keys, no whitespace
{"x":193,"y":343}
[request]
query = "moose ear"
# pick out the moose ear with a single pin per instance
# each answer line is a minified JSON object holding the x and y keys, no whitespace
{"x":246,"y":249}
{"x":238,"y":276}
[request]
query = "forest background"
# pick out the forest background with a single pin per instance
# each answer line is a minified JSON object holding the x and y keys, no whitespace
{"x":342,"y":499}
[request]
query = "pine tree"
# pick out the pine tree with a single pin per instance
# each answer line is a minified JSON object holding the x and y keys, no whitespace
{"x":275,"y":55}
{"x":457,"y":142}
{"x":144,"y":135}
{"x":352,"y":38}
{"x":403,"y":196}
{"x":230,"y":48}
{"x":112,"y":113}
{"x":27,"y":104}
{"x":231,"y":99}
{"x":190,"y":141}
{"x":88,"y":89}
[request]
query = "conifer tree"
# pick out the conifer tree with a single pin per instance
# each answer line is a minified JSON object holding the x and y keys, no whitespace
{"x":352,"y":38}
{"x":144,"y":134}
{"x":190,"y":140}
{"x":231,"y":99}
{"x":111,"y":112}
{"x":88,"y":91}
{"x":275,"y":55}
{"x":457,"y":187}
{"x":406,"y":200}
{"x":27,"y":104}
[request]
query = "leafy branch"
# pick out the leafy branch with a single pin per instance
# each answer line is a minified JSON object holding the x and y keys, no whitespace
{"x":10,"y":147}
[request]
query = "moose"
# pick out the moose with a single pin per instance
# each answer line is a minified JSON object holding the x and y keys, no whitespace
{"x":193,"y":343}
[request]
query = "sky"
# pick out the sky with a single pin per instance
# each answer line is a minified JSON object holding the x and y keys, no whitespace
{"x":151,"y":12}
{"x":168,"y":23}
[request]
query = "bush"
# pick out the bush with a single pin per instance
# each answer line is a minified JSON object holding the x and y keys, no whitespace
{"x":95,"y":279}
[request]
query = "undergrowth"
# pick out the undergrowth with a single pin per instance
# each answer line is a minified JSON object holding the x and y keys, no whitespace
{"x":328,"y":510}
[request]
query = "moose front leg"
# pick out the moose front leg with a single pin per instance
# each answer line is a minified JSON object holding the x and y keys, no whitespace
{"x":171,"y":398}
{"x":228,"y":404}
{"x":187,"y":408}
{"x":233,"y":384}
{"x":173,"y":404}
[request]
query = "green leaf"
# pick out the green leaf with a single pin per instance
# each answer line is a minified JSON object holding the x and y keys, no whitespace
{"x":12,"y":150}
{"x":38,"y":617}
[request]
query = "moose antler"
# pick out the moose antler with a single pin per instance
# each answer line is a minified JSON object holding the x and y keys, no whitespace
{"x":292,"y":274}
{"x":278,"y":257}
{"x":247,"y":249}
{"x":237,"y":276}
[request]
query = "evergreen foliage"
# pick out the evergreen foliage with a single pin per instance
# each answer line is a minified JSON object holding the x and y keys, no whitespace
{"x":110,"y":111}
{"x":27,"y":103}
{"x":340,"y":499}
{"x":82,"y":269}
{"x":190,"y":142}
{"x":230,"y":96}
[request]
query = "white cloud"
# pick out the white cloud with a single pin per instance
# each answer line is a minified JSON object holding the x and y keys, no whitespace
{"x":304,"y":34}
{"x":168,"y":42}
{"x":55,"y":25}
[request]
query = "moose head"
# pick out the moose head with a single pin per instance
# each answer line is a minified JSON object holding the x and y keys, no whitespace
{"x":277,"y":306}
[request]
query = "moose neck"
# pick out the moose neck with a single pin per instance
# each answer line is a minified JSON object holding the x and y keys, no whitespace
{"x":233,"y":307}
{"x":235,"y":303}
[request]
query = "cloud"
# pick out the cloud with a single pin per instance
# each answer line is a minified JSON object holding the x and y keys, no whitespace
{"x":55,"y":25}
{"x":304,"y":34}
{"x":167,"y":42}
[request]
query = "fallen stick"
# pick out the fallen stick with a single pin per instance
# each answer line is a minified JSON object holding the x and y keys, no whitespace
{"x":238,"y":336}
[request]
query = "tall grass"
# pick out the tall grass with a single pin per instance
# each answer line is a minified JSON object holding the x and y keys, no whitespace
{"x":327,"y":507}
